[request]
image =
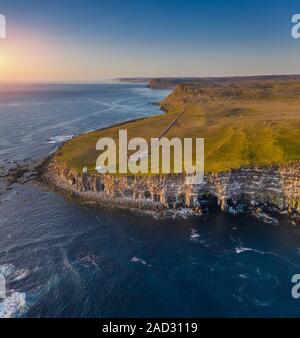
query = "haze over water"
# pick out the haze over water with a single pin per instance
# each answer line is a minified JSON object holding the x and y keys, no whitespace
{"x":61,"y":258}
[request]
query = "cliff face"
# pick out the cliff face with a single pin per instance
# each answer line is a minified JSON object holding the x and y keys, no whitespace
{"x":277,"y":186}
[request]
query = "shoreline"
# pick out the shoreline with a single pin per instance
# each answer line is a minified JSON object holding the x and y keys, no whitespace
{"x":255,"y":186}
{"x":96,"y":190}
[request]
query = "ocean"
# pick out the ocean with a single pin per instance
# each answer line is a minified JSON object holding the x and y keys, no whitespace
{"x":64,"y":259}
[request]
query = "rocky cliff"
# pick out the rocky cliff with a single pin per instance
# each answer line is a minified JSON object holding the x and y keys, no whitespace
{"x":242,"y":121}
{"x":275,"y":186}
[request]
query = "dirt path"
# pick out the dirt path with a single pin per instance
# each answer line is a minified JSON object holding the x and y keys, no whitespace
{"x":145,"y":152}
{"x":171,"y":125}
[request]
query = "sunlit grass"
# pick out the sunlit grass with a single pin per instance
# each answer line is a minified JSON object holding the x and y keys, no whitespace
{"x":262,"y":130}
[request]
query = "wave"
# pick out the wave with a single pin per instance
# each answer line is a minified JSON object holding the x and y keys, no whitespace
{"x":88,"y":261}
{"x":6,"y":269}
{"x":60,"y":138}
{"x":185,"y":213}
{"x":138,"y":260}
{"x":194,"y":235}
{"x":239,"y":250}
{"x":12,"y":305}
{"x":89,"y":131}
{"x":262,"y":216}
{"x":14,"y":302}
{"x":10,"y":272}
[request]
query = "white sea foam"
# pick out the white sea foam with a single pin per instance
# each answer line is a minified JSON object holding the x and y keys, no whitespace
{"x":14,"y":303}
{"x":185,"y":213}
{"x":266,"y":218}
{"x":242,"y":249}
{"x":194,"y":235}
{"x":88,"y":261}
{"x":6,"y":269}
{"x":21,"y":274}
{"x":60,"y":138}
{"x":10,"y":272}
{"x":89,"y":131}
{"x":138,"y":260}
{"x":239,"y":250}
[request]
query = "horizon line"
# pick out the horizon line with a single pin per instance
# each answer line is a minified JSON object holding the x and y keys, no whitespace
{"x":116,"y":79}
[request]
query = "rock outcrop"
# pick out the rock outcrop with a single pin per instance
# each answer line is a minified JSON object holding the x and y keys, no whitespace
{"x":277,"y":186}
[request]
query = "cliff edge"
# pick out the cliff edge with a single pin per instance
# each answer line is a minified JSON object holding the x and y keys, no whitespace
{"x":252,"y":151}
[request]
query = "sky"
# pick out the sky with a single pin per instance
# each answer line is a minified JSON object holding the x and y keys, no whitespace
{"x":92,"y":40}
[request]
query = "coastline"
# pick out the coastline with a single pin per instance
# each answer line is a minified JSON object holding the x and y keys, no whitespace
{"x":255,"y":187}
{"x":243,"y":190}
{"x":49,"y":176}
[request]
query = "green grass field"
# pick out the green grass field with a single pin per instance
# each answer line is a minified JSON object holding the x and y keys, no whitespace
{"x":242,"y":124}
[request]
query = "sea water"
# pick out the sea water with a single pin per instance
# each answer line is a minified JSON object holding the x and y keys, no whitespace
{"x":64,"y":259}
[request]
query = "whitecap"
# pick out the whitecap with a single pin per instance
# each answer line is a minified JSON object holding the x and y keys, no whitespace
{"x":10,"y":272}
{"x":185,"y":213}
{"x":266,"y":218}
{"x":89,"y":131}
{"x":239,"y":250}
{"x":13,"y":304}
{"x":7,"y":270}
{"x":60,"y":138}
{"x":138,"y":260}
{"x":21,"y":274}
{"x":88,"y":261}
{"x":194,"y":235}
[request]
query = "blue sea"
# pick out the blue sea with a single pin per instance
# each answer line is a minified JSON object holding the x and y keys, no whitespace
{"x":64,"y":259}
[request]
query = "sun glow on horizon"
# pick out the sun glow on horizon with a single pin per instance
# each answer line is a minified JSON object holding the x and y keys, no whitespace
{"x":18,"y":57}
{"x":91,"y":53}
{"x":32,"y":57}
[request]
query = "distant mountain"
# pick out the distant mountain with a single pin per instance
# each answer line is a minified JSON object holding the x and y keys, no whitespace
{"x":171,"y":83}
{"x":134,"y":79}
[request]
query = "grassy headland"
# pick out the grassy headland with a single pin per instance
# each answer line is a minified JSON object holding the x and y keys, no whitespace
{"x":244,"y":122}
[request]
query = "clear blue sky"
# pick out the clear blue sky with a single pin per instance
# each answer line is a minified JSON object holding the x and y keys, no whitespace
{"x":96,"y":39}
